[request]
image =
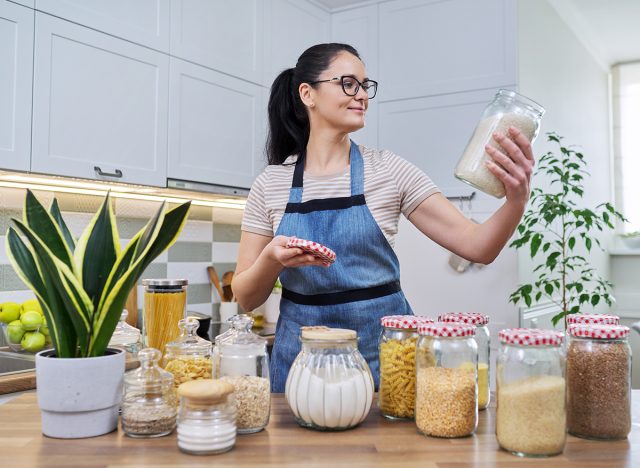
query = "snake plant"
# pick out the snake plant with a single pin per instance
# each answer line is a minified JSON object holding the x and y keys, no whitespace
{"x":83,"y":284}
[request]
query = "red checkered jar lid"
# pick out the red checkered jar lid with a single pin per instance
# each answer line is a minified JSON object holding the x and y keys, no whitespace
{"x":531,"y":337}
{"x":446,"y":330}
{"x":409,"y":322}
{"x":599,"y":332}
{"x":593,"y":319}
{"x":471,"y":318}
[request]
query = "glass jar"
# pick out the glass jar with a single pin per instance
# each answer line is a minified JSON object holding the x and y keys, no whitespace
{"x":397,"y":345}
{"x":240,"y":357}
{"x":125,"y":336}
{"x":149,"y":403}
{"x":329,"y":386}
{"x":189,"y":356}
{"x":483,"y":340}
{"x":446,"y":380}
{"x":530,"y":397}
{"x":207,"y":417}
{"x":164,"y":305}
{"x":599,"y":381}
{"x":508,"y":109}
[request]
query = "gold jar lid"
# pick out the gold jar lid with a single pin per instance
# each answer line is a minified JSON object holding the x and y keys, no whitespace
{"x":205,"y":390}
{"x":328,"y":334}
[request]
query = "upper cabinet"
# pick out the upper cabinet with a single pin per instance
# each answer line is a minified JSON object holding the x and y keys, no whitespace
{"x":430,"y":47}
{"x":223,"y":35}
{"x":215,"y":126}
{"x":27,"y":3}
{"x":99,"y":105}
{"x":144,"y":22}
{"x":16,"y":71}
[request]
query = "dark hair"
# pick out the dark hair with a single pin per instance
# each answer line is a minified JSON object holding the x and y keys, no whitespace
{"x":288,"y":118}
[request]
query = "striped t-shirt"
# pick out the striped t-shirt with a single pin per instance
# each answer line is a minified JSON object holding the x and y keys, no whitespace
{"x":392,"y":186}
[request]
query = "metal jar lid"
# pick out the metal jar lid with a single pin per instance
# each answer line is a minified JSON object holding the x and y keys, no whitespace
{"x":164,"y":285}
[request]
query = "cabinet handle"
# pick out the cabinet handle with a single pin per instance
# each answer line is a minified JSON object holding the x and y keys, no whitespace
{"x":100,"y":172}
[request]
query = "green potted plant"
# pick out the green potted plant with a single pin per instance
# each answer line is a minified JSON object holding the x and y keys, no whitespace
{"x":82,"y":286}
{"x":555,"y":228}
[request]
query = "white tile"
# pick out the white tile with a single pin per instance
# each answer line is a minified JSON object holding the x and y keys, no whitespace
{"x":225,"y":252}
{"x":77,"y":222}
{"x":129,"y":208}
{"x":11,"y":198}
{"x":197,"y":231}
{"x":16,"y":296}
{"x":227,"y":216}
{"x":4,"y":260}
{"x":195,"y":272}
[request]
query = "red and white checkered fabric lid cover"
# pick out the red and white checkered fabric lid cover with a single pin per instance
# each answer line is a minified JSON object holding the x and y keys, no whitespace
{"x":599,"y":332}
{"x":531,"y":337}
{"x":471,"y":318}
{"x":446,"y":329}
{"x":600,"y":319}
{"x":318,"y":250}
{"x":404,"y":321}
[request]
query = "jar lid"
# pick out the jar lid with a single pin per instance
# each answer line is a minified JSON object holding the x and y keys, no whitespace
{"x":600,"y":319}
{"x":149,"y":377}
{"x":471,"y":318}
{"x":403,"y":321}
{"x":327,"y":334}
{"x":599,"y":332}
{"x":188,"y":343}
{"x":165,"y":282}
{"x":124,"y":334}
{"x":205,"y":390}
{"x":531,"y":337}
{"x":446,"y":329}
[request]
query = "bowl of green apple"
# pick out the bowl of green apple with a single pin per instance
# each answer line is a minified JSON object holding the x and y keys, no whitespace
{"x":24,"y":326}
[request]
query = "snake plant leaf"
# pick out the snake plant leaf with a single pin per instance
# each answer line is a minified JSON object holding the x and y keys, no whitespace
{"x":61,"y":329}
{"x":66,"y":233}
{"x":39,"y":220}
{"x":97,"y":251}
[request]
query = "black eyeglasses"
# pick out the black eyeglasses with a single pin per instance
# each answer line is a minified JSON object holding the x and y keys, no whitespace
{"x":351,"y":85}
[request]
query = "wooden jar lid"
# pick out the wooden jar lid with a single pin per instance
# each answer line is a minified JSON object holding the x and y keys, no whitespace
{"x":205,"y":390}
{"x":328,"y":334}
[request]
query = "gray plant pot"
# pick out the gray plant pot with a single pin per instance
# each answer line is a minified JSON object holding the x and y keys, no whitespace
{"x":79,"y":397}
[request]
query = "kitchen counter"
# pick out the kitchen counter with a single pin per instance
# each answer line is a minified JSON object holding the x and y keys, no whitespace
{"x":377,"y":442}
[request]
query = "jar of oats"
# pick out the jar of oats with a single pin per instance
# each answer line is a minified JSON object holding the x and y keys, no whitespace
{"x":397,"y":345}
{"x":483,"y":339}
{"x":508,"y":109}
{"x":446,"y":380}
{"x":599,"y":381}
{"x":530,"y":397}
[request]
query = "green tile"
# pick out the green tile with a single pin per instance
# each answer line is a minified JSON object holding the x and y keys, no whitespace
{"x":199,"y":293}
{"x":226,"y":232}
{"x":129,"y":227}
{"x":190,"y":252}
{"x":10,"y":280}
{"x":5,"y":219}
{"x":154,"y":271}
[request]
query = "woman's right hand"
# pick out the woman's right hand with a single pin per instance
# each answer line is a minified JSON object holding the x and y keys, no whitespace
{"x":294,"y":257}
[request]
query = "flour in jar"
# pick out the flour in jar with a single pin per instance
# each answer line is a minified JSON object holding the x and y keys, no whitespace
{"x":471,"y":167}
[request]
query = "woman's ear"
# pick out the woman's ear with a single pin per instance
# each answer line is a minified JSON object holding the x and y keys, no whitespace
{"x":306,"y":92}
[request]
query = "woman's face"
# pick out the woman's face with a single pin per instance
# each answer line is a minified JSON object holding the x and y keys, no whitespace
{"x":327,"y":103}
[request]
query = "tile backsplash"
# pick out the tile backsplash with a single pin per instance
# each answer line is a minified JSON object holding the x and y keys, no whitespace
{"x":210,"y":237}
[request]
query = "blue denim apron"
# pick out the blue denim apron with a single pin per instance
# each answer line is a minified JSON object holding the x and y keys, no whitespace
{"x":362,"y":285}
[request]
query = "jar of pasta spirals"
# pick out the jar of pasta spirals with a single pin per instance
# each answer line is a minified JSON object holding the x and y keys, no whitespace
{"x":189,"y":356}
{"x":397,"y":345}
{"x":165,"y":301}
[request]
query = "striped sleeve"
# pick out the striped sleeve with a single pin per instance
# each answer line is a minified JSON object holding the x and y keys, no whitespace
{"x":256,"y":218}
{"x":413,"y":184}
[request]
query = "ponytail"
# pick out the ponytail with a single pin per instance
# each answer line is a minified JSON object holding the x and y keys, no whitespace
{"x":288,"y":117}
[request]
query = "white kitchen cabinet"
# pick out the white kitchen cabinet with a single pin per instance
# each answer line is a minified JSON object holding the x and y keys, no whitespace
{"x":215,"y":126}
{"x":430,"y":47}
{"x":16,"y":72}
{"x":145,"y":22}
{"x":222,"y":35}
{"x":27,"y":3}
{"x":99,"y":105}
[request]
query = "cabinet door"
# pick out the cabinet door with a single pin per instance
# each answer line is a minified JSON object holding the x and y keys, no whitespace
{"x":214,"y":126}
{"x":99,"y":105}
{"x":142,"y":21}
{"x":222,"y":35}
{"x":27,"y":3}
{"x":16,"y":71}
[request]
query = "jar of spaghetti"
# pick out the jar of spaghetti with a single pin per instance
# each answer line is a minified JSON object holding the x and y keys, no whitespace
{"x":397,"y":345}
{"x":189,"y":356}
{"x":164,"y":305}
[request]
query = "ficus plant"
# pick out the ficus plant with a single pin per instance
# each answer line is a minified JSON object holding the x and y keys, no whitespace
{"x":82,"y":285}
{"x":557,"y":231}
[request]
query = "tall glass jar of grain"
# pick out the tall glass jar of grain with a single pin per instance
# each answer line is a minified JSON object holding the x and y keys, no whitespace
{"x":483,"y":339}
{"x":446,"y":380}
{"x":508,"y":109}
{"x":530,"y":412}
{"x":397,"y":345}
{"x":599,"y":381}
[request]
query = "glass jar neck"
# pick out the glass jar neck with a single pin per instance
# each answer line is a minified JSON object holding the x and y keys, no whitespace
{"x":313,"y":345}
{"x":508,"y":97}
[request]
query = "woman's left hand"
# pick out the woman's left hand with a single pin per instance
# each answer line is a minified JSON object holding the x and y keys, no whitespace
{"x":514,"y":168}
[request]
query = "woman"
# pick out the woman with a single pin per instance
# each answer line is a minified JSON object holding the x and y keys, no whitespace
{"x":322,"y":187}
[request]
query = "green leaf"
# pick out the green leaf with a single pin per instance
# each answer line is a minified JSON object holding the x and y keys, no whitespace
{"x":587,"y":243}
{"x":535,"y":244}
{"x":548,"y":288}
{"x":57,"y":216}
{"x":595,"y":299}
{"x":572,"y":242}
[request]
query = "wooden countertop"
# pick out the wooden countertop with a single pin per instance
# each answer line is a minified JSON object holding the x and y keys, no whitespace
{"x":376,"y":442}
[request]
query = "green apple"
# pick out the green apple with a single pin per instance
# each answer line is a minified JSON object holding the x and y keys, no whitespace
{"x":47,"y":340}
{"x":15,"y":331}
{"x":31,"y":320}
{"x":44,"y":329}
{"x":10,"y":311}
{"x":32,"y":341}
{"x":32,"y":304}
